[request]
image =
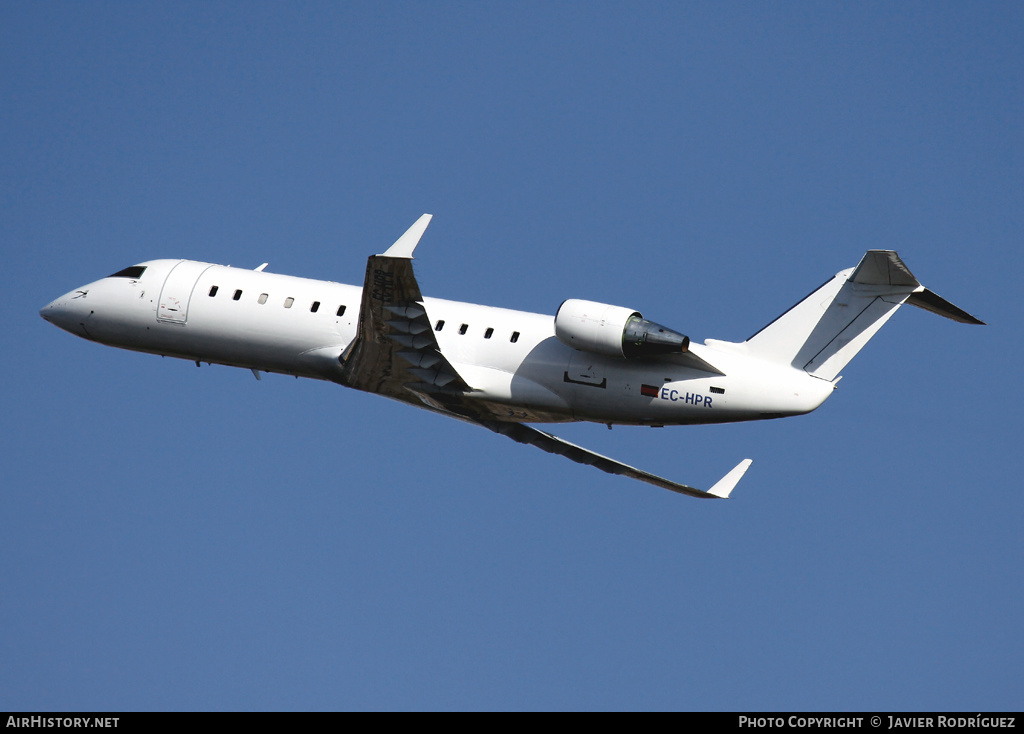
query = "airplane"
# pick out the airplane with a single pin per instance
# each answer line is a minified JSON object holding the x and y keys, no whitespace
{"x":498,"y":368}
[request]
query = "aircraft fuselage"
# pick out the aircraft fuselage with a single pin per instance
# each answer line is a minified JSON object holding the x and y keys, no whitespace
{"x":518,"y":369}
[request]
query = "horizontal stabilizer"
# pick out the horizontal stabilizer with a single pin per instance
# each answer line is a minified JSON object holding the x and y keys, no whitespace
{"x":935,"y":303}
{"x":883,"y":267}
{"x":555,"y":445}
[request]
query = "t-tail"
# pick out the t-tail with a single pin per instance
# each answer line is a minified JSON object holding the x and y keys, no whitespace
{"x":823,"y":332}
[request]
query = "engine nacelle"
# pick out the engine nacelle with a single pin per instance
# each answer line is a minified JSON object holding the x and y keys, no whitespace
{"x":615,"y":331}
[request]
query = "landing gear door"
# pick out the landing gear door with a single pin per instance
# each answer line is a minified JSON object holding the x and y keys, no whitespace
{"x":177,"y":291}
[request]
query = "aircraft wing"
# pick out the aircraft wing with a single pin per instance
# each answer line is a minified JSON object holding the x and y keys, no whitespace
{"x":395,"y":352}
{"x":555,"y":445}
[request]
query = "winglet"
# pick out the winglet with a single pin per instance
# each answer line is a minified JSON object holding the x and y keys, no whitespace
{"x":405,"y":244}
{"x":726,"y":484}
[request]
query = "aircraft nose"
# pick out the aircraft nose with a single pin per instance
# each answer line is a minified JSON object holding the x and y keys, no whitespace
{"x":49,"y":311}
{"x":66,"y":312}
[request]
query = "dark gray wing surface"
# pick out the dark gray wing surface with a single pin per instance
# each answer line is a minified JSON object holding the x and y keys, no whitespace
{"x":555,"y":445}
{"x":395,"y":352}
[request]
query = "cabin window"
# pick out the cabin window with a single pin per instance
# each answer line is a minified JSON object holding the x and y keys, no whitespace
{"x":462,"y":329}
{"x":718,"y":390}
{"x":488,"y":333}
{"x":213,"y":291}
{"x":262,"y":298}
{"x":439,"y":325}
{"x":288,"y":302}
{"x":515,"y":337}
{"x":315,"y":307}
{"x":238,"y":294}
{"x":135,"y":271}
{"x":341,"y":310}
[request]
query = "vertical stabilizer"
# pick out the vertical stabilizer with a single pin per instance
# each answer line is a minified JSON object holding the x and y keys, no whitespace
{"x":823,"y":332}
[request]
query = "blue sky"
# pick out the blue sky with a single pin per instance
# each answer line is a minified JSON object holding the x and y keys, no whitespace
{"x":174,"y":538}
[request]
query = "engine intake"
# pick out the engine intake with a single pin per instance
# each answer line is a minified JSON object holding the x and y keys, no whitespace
{"x":615,"y":331}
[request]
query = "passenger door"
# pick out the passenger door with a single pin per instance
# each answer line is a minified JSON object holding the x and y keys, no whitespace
{"x":177,"y":291}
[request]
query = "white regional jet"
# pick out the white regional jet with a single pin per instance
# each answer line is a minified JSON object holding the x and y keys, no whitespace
{"x":494,"y":367}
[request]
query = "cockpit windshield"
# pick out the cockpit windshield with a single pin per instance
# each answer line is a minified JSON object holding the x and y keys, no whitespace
{"x":135,"y":272}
